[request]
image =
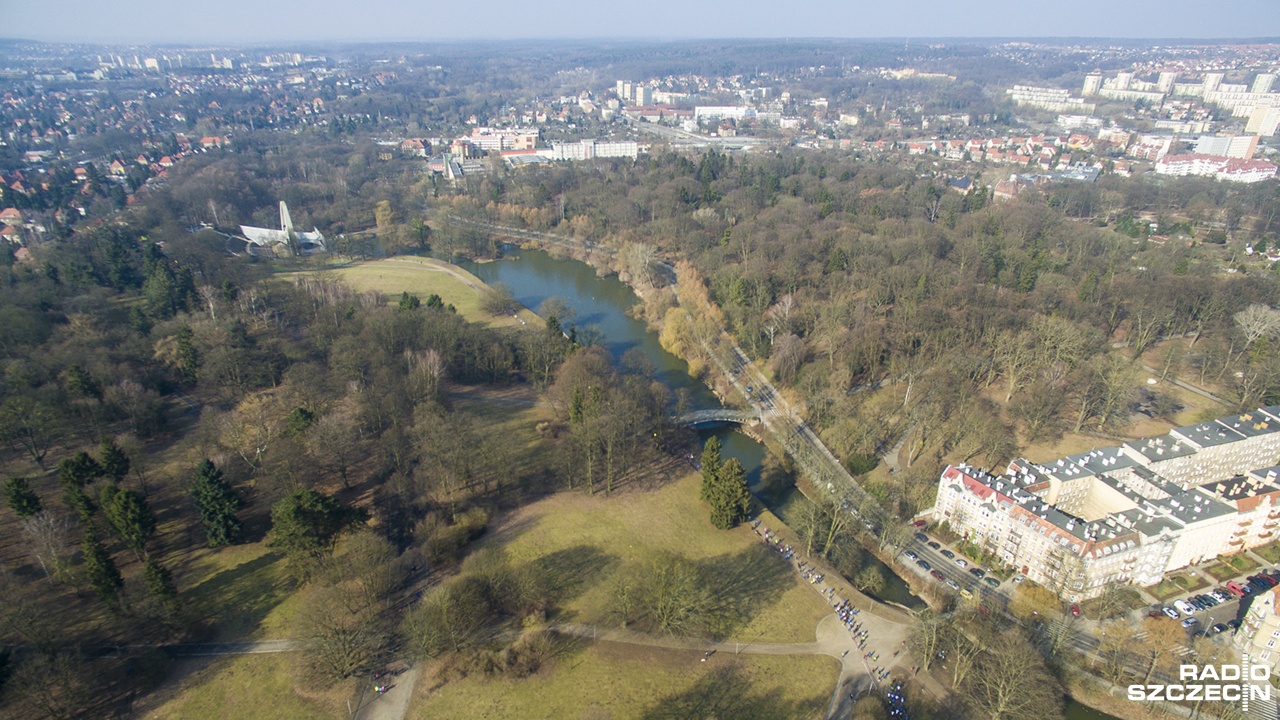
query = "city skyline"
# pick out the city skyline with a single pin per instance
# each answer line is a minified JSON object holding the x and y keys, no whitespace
{"x":151,"y":21}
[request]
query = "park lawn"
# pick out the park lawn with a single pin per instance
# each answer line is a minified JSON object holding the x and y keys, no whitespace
{"x":262,"y":687}
{"x":608,"y":680}
{"x":424,"y":276}
{"x":242,"y":592}
{"x":508,"y":417}
{"x":588,"y":537}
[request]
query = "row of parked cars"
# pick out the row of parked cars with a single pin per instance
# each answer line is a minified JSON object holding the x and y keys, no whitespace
{"x":977,"y":572}
{"x":1226,"y":593}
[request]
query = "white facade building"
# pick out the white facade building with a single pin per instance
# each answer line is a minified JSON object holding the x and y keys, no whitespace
{"x":1125,"y":514}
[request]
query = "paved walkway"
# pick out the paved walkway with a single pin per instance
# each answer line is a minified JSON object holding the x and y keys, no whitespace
{"x":392,"y":704}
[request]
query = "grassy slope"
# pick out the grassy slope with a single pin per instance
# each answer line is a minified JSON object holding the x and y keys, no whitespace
{"x":583,"y":541}
{"x":606,"y":680}
{"x":243,"y":686}
{"x":586,"y":538}
{"x":422,"y":277}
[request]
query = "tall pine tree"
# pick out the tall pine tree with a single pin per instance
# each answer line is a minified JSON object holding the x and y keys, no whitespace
{"x":710,"y":466}
{"x":730,"y":498}
{"x":160,"y":584}
{"x":129,"y":516}
{"x":114,"y":460}
{"x":217,"y":504}
{"x":100,"y":568}
{"x":22,"y":499}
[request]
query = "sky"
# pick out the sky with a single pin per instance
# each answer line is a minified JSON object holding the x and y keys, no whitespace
{"x":286,"y":22}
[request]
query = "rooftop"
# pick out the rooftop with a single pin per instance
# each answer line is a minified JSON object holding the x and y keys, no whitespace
{"x":1163,"y":447}
{"x":1208,"y":434}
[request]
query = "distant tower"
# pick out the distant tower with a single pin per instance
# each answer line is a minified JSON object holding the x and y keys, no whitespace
{"x":1165,"y":84}
{"x":1092,"y":84}
{"x":1212,"y":81}
{"x":1123,"y":80}
{"x":1262,"y":83}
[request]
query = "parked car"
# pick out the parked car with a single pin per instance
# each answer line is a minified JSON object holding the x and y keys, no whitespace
{"x":910,"y":555}
{"x":935,"y":544}
{"x":1154,"y":614}
{"x":922,"y":537}
{"x":952,"y":584}
{"x":1233,"y":624}
{"x":1235,"y":589}
{"x":924,"y":564}
{"x":993,"y":582}
{"x":1019,"y":578}
{"x":948,"y":554}
{"x":1218,"y":628}
{"x":1189,"y":622}
{"x":1184,"y":607}
{"x":1170,"y":612}
{"x":977,"y":572}
{"x":1075,"y":610}
{"x":1222,"y":595}
{"x":964,"y":593}
{"x":962,"y":562}
{"x":937,"y":575}
{"x":920,"y":523}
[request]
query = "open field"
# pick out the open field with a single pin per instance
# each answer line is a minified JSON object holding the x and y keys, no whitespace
{"x":582,"y":540}
{"x":422,"y":277}
{"x":606,"y":680}
{"x":262,"y":687}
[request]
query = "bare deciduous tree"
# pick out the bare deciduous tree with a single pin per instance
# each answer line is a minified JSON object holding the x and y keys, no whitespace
{"x":1256,"y":321}
{"x":1011,"y":682}
{"x":47,"y":534}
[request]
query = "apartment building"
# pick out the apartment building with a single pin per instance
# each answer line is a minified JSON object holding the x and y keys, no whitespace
{"x":1126,"y":514}
{"x":1259,"y":633}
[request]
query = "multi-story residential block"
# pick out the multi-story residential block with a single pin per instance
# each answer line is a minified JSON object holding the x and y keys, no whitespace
{"x":1126,"y":514}
{"x":1223,"y":168}
{"x":1053,"y":99}
{"x":1259,"y":632}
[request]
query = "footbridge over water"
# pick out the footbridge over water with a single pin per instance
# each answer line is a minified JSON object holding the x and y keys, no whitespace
{"x":718,"y":415}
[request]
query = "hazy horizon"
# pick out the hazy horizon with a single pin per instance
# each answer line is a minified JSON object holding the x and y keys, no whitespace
{"x":327,"y":21}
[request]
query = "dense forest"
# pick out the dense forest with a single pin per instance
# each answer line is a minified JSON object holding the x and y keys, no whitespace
{"x":993,"y":325}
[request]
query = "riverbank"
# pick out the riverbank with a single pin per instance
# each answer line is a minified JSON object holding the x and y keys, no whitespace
{"x":649,"y":312}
